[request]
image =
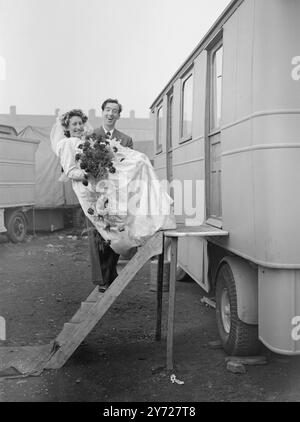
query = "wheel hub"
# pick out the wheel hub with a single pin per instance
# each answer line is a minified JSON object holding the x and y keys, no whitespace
{"x":225,"y":311}
{"x":19,"y":227}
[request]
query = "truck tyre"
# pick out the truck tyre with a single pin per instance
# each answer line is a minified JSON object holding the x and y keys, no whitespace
{"x":237,"y":337}
{"x":16,"y":226}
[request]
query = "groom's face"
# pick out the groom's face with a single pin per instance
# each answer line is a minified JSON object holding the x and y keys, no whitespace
{"x":110,"y":114}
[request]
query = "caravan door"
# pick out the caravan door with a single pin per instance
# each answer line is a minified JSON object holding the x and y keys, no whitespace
{"x":169,"y":142}
{"x":213,"y":144}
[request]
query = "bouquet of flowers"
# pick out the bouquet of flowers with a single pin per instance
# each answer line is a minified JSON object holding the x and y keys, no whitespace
{"x":96,"y":158}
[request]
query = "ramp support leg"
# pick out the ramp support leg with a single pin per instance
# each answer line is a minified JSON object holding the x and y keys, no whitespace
{"x":171,"y":313}
{"x":160,"y":275}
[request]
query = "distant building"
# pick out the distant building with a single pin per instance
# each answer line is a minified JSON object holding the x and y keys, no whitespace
{"x":140,"y":129}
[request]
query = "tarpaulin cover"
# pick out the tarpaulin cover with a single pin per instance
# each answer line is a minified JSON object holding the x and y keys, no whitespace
{"x":49,"y":191}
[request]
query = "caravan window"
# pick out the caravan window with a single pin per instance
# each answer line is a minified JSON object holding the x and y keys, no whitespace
{"x":187,"y":108}
{"x":159,"y":133}
{"x":170,"y":122}
{"x":216,"y":89}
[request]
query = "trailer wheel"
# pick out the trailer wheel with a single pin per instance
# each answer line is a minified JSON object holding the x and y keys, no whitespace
{"x":237,"y":337}
{"x":16,"y":226}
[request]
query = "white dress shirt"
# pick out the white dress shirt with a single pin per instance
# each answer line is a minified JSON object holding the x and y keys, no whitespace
{"x":110,"y":131}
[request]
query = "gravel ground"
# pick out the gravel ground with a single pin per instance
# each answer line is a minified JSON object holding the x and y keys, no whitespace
{"x":43,"y":282}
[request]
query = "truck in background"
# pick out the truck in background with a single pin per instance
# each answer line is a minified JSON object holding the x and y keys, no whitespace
{"x":17,"y":182}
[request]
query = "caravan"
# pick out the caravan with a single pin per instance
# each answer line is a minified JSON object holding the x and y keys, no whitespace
{"x":230,"y":118}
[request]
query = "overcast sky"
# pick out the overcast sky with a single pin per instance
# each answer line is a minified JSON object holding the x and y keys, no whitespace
{"x":75,"y":53}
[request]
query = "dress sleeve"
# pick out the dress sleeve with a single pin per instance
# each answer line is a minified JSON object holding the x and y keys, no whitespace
{"x":66,"y":152}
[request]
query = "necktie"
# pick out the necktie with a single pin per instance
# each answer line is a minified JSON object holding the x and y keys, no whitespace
{"x":108,"y":134}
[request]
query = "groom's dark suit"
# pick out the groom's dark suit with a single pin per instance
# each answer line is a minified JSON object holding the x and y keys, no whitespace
{"x":126,"y":141}
{"x":108,"y":258}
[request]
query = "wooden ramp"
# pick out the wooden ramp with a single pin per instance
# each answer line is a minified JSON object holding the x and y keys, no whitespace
{"x":97,"y":304}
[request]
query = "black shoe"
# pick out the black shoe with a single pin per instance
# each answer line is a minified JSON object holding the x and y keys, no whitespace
{"x":102,"y":289}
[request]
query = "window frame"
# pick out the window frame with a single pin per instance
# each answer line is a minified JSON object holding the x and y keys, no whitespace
{"x":170,"y":120}
{"x":189,"y":74}
{"x":159,"y":146}
{"x":216,"y":129}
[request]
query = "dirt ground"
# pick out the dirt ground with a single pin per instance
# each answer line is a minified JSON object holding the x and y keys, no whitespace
{"x":42,"y":284}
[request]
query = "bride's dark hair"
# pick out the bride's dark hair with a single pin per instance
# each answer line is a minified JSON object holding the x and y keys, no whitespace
{"x":65,"y":119}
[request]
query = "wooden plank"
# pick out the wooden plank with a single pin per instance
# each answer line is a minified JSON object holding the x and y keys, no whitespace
{"x":96,"y":311}
{"x":86,"y":306}
{"x":171,"y":313}
{"x":81,"y":313}
{"x":67,"y":331}
{"x":94,"y":296}
{"x":247,"y":360}
{"x":200,"y":231}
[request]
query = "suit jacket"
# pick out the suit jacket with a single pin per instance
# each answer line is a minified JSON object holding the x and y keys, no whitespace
{"x":126,"y":141}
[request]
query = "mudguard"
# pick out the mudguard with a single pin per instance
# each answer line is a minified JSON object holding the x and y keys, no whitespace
{"x":246,"y":282}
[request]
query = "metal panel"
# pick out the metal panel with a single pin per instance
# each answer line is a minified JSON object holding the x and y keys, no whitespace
{"x":17,"y":172}
{"x":277,"y":205}
{"x":190,"y":258}
{"x":274,"y":87}
{"x":279,"y":303}
{"x":238,"y":201}
{"x":238,"y":42}
{"x":16,"y":195}
{"x":10,"y":172}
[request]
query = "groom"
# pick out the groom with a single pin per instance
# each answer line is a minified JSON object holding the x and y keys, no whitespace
{"x":111,"y":112}
{"x":104,"y":257}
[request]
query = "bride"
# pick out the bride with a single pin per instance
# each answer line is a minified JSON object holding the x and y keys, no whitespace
{"x":126,"y":207}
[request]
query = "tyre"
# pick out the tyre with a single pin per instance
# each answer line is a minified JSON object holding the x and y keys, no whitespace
{"x":237,"y":337}
{"x":16,"y":226}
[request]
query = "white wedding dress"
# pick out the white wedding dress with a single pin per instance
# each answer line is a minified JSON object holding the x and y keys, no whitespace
{"x":126,"y":208}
